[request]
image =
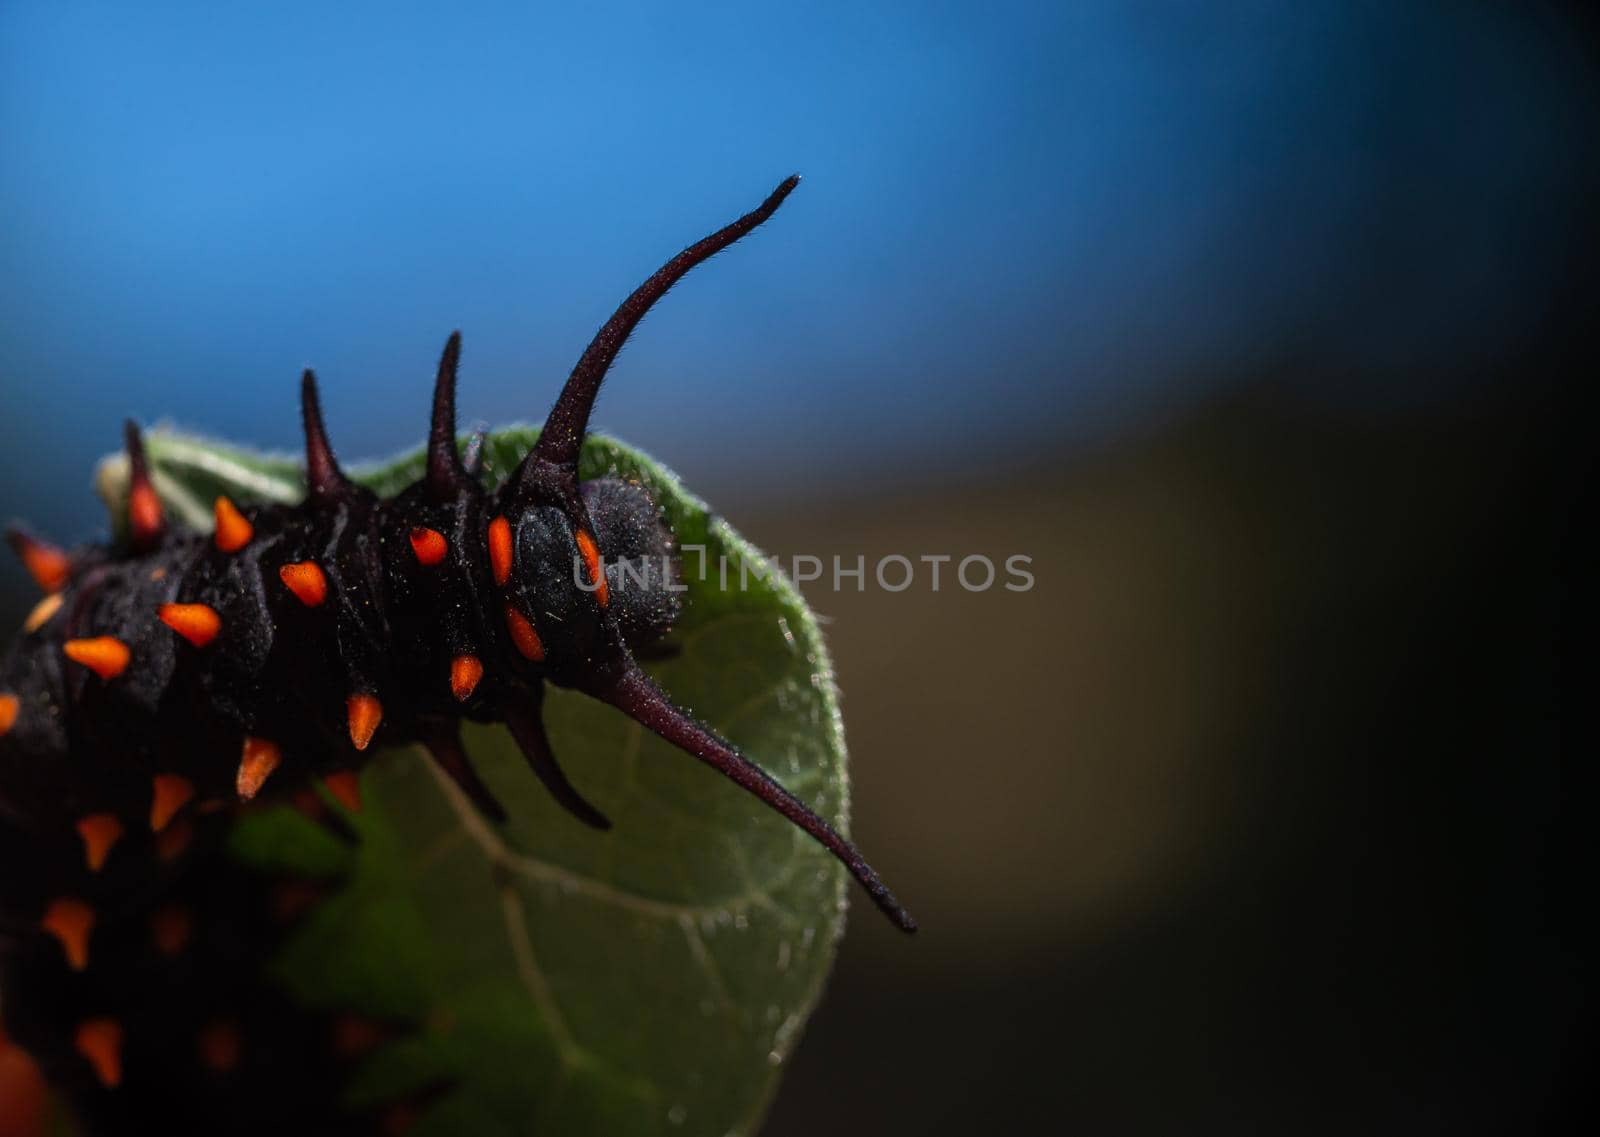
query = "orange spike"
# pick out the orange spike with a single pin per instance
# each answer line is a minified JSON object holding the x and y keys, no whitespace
{"x":144,"y":514}
{"x":49,"y":566}
{"x":219,"y":1046}
{"x":465,"y":673}
{"x":169,"y":793}
{"x":100,"y":1043}
{"x":99,"y":831}
{"x":356,"y":1035}
{"x":524,"y":635}
{"x":144,"y":507}
{"x":197,"y":623}
{"x":71,"y":921}
{"x":365,"y":715}
{"x":106,"y":656}
{"x":306,"y":580}
{"x":592,"y":566}
{"x":9,"y":707}
{"x":42,"y":611}
{"x":346,"y":786}
{"x":292,"y":899}
{"x":233,"y":530}
{"x":170,"y":929}
{"x":22,"y":1090}
{"x":259,"y":759}
{"x":500,"y":549}
{"x":173,"y":841}
{"x":429,"y":545}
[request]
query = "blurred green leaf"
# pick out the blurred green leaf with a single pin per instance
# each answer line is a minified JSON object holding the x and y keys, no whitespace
{"x":647,"y":980}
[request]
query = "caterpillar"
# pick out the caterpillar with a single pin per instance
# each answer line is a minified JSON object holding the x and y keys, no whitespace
{"x":172,"y":674}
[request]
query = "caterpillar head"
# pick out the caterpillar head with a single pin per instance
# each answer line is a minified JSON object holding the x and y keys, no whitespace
{"x":591,"y":582}
{"x":585,"y":574}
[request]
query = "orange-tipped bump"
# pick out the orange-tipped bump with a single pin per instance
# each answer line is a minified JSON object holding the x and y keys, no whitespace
{"x":106,"y":656}
{"x":219,"y":1046}
{"x":346,"y":787}
{"x":429,"y":545}
{"x":365,"y":715}
{"x":356,"y":1035}
{"x":22,"y":1091}
{"x":233,"y":530}
{"x":524,"y":635}
{"x":10,"y":707}
{"x":70,"y":921}
{"x":197,"y":623}
{"x":100,"y":831}
{"x":49,"y":566}
{"x":169,"y":793}
{"x":170,"y":929}
{"x":173,"y":841}
{"x":100,"y":1043}
{"x":292,"y":899}
{"x":144,"y":513}
{"x":259,"y":759}
{"x":42,"y":612}
{"x":306,"y":580}
{"x":592,"y":566}
{"x":500,"y":549}
{"x":465,"y":673}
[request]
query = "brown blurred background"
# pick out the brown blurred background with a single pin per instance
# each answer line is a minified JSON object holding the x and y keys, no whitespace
{"x":1256,"y":814}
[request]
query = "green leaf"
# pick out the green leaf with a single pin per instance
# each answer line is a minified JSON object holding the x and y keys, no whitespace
{"x":647,"y":980}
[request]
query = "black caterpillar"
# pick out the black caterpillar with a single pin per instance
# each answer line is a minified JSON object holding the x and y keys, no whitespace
{"x":176,"y":672}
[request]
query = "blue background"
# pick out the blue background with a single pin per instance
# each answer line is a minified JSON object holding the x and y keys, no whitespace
{"x":1023,"y":226}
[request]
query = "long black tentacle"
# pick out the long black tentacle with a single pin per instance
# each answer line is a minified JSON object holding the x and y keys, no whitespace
{"x":556,"y":453}
{"x":324,"y":479}
{"x":528,"y":730}
{"x":641,"y":700}
{"x":443,"y":744}
{"x":446,"y":475}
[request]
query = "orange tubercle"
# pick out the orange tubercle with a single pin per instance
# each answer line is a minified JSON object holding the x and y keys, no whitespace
{"x":49,"y":566}
{"x":365,"y":715}
{"x":346,"y":787}
{"x":144,"y":512}
{"x":173,"y":841}
{"x":465,"y":673}
{"x":306,"y":580}
{"x":524,"y":635}
{"x":292,"y":899}
{"x":100,"y":1043}
{"x":500,"y":549}
{"x":429,"y":545}
{"x":234,"y":531}
{"x":42,"y":612}
{"x":591,"y":565}
{"x":197,"y":623}
{"x":70,"y":921}
{"x":106,"y":656}
{"x":259,"y":758}
{"x":170,"y":928}
{"x":22,"y":1089}
{"x":169,"y":793}
{"x":219,"y":1046}
{"x":100,"y":831}
{"x":10,"y":707}
{"x":356,"y":1035}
